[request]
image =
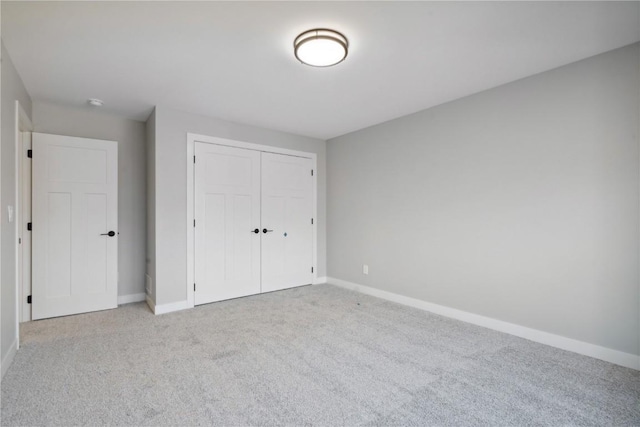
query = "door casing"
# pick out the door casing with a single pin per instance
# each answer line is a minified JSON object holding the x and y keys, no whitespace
{"x":191,"y":140}
{"x":23,"y":128}
{"x":24,"y":236}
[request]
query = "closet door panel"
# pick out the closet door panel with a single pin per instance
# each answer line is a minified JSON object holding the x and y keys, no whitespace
{"x":287,"y":210}
{"x":227,"y":211}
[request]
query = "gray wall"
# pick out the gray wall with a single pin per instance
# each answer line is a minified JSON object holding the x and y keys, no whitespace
{"x":130,"y":134}
{"x":519,"y":203}
{"x":150,"y":153}
{"x":171,"y":189}
{"x":12,"y":89}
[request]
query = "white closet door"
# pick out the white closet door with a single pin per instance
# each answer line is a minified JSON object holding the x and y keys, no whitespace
{"x":75,"y":207}
{"x":287,"y":211}
{"x":227,"y":212}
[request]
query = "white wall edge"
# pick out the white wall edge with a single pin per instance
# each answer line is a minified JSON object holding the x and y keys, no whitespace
{"x":8,"y":358}
{"x":320,"y":280}
{"x":171,"y":307}
{"x":603,"y":353}
{"x":127,"y":299}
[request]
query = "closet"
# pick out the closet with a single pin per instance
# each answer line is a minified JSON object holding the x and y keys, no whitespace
{"x":253,"y":222}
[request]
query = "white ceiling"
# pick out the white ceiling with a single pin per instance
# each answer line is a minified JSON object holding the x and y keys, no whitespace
{"x":234,"y":60}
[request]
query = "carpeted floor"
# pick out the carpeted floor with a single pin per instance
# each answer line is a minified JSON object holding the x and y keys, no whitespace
{"x":317,"y":355}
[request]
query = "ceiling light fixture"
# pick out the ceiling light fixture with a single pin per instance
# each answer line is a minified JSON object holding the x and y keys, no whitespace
{"x":95,"y":102}
{"x":321,"y":47}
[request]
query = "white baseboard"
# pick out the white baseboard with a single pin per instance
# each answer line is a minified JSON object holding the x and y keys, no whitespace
{"x":609,"y":355}
{"x":8,"y":358}
{"x":320,"y":280}
{"x":127,"y":299}
{"x":168,"y":308}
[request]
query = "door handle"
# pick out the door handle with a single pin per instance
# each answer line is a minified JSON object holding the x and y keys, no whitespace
{"x":110,"y":234}
{"x":264,"y":230}
{"x":257,"y":230}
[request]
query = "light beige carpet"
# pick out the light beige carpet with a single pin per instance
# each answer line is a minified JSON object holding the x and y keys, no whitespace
{"x":308,"y":356}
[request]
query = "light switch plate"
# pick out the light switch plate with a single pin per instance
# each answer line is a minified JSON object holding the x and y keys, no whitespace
{"x":10,"y":213}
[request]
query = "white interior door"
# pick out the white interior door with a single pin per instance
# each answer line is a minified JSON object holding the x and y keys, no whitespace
{"x":227,"y":212}
{"x":74,"y":206}
{"x":287,"y":212}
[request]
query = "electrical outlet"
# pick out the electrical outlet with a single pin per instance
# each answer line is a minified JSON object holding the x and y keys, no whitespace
{"x":365,"y":269}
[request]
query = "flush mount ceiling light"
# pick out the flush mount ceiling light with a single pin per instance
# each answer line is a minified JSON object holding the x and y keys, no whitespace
{"x":321,"y":47}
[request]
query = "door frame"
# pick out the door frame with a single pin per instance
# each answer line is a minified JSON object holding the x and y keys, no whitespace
{"x":192,"y":138}
{"x":23,"y":128}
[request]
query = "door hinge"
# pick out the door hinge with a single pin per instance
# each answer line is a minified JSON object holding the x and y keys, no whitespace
{"x":311,"y":221}
{"x":29,"y":299}
{"x":194,"y":222}
{"x":194,"y":287}
{"x":194,"y":159}
{"x":29,"y":226}
{"x":30,"y":153}
{"x":312,"y":269}
{"x":311,"y":172}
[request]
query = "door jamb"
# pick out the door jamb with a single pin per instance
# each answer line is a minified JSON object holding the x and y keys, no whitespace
{"x":24,"y":203}
{"x":192,"y":138}
{"x":23,"y":126}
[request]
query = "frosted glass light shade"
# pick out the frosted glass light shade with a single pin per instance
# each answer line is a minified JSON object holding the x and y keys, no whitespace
{"x":321,"y":47}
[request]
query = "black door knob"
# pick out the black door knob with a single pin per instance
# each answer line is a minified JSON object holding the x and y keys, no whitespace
{"x":110,"y":234}
{"x":257,"y":230}
{"x":264,"y":230}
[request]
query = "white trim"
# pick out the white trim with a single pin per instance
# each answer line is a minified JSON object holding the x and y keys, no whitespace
{"x":171,"y":307}
{"x":191,"y":140}
{"x":314,"y":231}
{"x":192,"y":137}
{"x":22,"y":124}
{"x":127,"y":299}
{"x":320,"y":280}
{"x":8,"y":358}
{"x":191,"y":250}
{"x":25,"y":217}
{"x":609,"y":355}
